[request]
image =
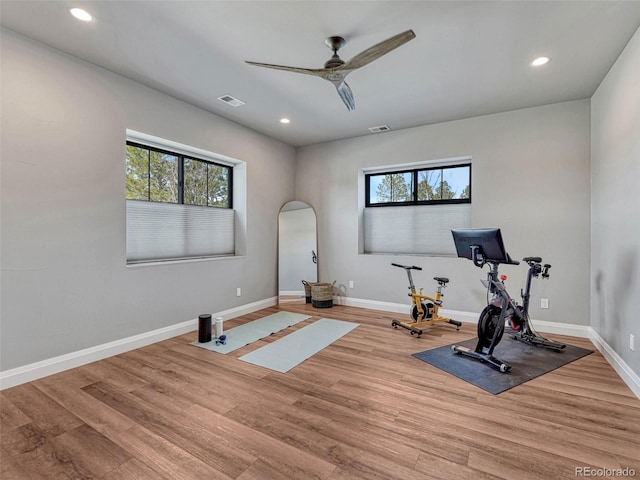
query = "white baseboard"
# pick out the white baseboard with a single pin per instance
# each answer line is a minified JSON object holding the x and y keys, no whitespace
{"x":619,"y":365}
{"x":33,"y":371}
{"x":298,"y":293}
{"x":371,"y":304}
{"x":468,"y":317}
{"x":569,"y":329}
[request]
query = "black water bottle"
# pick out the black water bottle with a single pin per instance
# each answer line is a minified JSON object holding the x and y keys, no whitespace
{"x":204,"y":329}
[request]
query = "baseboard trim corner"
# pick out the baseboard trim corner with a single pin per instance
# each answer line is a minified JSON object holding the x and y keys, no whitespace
{"x":619,"y":365}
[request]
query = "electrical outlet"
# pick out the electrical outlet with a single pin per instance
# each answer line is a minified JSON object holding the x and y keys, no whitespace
{"x":238,"y":292}
{"x":544,"y":303}
{"x":350,"y":283}
{"x":631,"y":346}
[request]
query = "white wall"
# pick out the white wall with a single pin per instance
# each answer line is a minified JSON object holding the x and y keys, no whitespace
{"x":65,"y":283}
{"x":615,"y":208}
{"x":530,"y":178}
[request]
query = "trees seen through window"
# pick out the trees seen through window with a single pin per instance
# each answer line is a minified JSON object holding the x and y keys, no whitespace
{"x":421,"y":186}
{"x":161,"y":176}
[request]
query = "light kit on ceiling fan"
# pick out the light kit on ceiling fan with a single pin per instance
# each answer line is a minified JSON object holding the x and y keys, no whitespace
{"x":336,"y":70}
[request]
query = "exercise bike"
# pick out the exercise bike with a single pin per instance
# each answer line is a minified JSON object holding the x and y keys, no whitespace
{"x":424,"y":313}
{"x":501,"y":308}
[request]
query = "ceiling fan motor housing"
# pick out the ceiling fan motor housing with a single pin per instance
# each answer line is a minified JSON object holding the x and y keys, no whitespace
{"x":335,"y":44}
{"x":334,"y":61}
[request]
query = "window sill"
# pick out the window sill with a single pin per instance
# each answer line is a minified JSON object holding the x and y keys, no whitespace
{"x":158,"y":263}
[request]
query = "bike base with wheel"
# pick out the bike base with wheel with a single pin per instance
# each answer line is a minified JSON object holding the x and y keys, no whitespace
{"x":500,"y":365}
{"x":490,"y":331}
{"x":413,"y":326}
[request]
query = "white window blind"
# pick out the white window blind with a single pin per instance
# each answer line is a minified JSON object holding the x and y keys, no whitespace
{"x":415,"y":229}
{"x":168,"y":231}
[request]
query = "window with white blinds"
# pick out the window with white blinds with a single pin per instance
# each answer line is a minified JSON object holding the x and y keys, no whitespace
{"x":179,"y":202}
{"x":167,"y":231}
{"x":414,"y":230}
{"x":411,"y":211}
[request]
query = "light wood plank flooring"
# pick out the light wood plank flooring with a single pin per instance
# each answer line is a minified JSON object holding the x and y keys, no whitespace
{"x":363,"y":408}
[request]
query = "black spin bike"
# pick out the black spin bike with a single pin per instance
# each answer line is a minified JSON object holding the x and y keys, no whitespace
{"x":484,"y":246}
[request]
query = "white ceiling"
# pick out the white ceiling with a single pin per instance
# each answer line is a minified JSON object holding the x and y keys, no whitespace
{"x":468,"y":58}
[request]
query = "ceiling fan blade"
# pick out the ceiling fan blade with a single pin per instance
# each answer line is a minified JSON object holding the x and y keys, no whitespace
{"x":337,"y":74}
{"x":318,"y":72}
{"x":346,"y":95}
{"x":337,"y":78}
{"x":378,"y":50}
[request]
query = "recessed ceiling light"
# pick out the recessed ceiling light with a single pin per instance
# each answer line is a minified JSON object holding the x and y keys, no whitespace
{"x":81,"y":14}
{"x":285,"y":120}
{"x":540,"y":61}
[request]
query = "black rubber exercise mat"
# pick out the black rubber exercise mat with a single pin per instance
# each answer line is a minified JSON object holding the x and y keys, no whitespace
{"x":527,"y":362}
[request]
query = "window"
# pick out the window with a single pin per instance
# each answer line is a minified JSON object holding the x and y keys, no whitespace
{"x":161,"y":176}
{"x":412,"y":211}
{"x":178,"y":205}
{"x":419,"y":186}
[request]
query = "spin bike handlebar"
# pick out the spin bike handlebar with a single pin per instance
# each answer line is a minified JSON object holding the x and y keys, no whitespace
{"x":480,"y":260}
{"x":413,"y":267}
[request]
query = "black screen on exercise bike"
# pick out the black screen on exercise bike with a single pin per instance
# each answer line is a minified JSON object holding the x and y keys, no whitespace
{"x":490,"y":239}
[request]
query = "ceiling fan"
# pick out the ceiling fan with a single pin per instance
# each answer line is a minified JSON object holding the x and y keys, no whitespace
{"x":336,"y":70}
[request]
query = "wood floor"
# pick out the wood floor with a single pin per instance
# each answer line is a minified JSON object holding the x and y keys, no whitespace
{"x":362,"y":408}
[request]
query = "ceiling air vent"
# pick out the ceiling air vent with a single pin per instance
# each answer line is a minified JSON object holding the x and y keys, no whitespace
{"x":381,"y":128}
{"x":233,"y":101}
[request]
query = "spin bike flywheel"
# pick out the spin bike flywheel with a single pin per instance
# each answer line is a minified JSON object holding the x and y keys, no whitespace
{"x":426,"y":310}
{"x":487,"y":325}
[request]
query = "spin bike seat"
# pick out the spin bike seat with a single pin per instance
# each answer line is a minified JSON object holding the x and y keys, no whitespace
{"x":441,"y":280}
{"x":532,"y":259}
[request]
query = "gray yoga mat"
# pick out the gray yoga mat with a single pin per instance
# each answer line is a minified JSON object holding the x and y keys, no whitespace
{"x":527,"y":362}
{"x":242,"y":335}
{"x":287,"y":352}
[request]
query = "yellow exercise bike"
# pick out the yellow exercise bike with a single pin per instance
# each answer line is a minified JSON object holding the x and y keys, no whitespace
{"x":424,"y":313}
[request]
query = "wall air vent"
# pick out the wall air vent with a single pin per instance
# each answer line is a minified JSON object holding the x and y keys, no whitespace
{"x":381,"y":128}
{"x":233,"y":101}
